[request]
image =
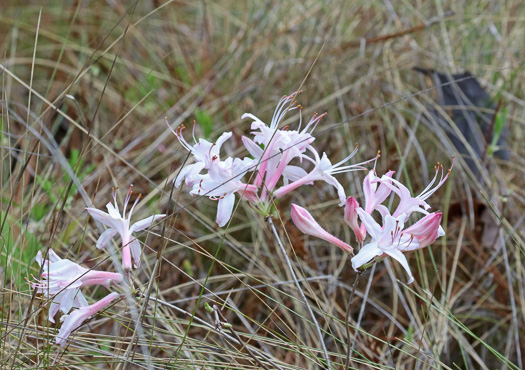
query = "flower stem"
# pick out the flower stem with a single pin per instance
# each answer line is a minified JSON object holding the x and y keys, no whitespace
{"x":303,"y":297}
{"x":347,"y":318}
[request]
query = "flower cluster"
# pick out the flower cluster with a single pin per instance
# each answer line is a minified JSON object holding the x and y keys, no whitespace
{"x":277,"y":155}
{"x":273,"y":151}
{"x":62,"y":279}
{"x":390,"y":237}
{"x":61,"y":283}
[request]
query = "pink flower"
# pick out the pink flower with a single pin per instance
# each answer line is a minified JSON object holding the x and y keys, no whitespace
{"x":409,"y":204}
{"x":119,"y":224}
{"x":307,"y":224}
{"x":392,"y":239}
{"x":374,"y":196}
{"x":62,"y":280}
{"x":76,"y":318}
{"x":222,"y":182}
{"x":427,"y":230}
{"x":350,"y":217}
{"x":323,"y":171}
{"x":281,"y":145}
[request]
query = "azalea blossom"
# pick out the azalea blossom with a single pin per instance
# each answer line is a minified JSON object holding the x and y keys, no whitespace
{"x":274,"y":150}
{"x":374,"y":196}
{"x":62,"y":280}
{"x":77,"y":317}
{"x":120,"y":224}
{"x":392,"y":239}
{"x":203,"y":153}
{"x":350,"y":217}
{"x":324,"y":171}
{"x":308,"y":225}
{"x":280,"y":145}
{"x":409,"y":204}
{"x":274,"y":164}
{"x":222,"y":182}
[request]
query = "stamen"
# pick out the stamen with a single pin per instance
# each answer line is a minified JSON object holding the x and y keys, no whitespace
{"x":193,"y":131}
{"x":408,"y":242}
{"x":314,"y":121}
{"x":428,"y":191}
{"x":211,"y":147}
{"x":378,"y":155}
{"x":126,"y":201}
{"x":178,"y":134}
{"x":134,"y":204}
{"x":347,"y":157}
{"x":300,"y":117}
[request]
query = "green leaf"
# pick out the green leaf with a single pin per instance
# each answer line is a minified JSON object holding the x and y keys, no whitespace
{"x":499,"y":125}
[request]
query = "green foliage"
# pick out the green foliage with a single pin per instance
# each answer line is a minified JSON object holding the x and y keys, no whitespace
{"x":50,"y":188}
{"x":205,"y":122}
{"x":499,"y":124}
{"x":19,"y":248}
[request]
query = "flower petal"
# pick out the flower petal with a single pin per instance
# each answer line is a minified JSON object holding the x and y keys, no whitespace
{"x":371,"y":225}
{"x":52,"y":256}
{"x":252,"y":148}
{"x":225,"y":136}
{"x":308,"y":225}
{"x":365,"y":255}
{"x":183,"y":174}
{"x":136,"y":251}
{"x":350,"y":217}
{"x":329,"y":179}
{"x":145,"y":223}
{"x":400,"y":257}
{"x":113,"y":211}
{"x":293,"y":173}
{"x":39,"y":258}
{"x":225,"y":209}
{"x":100,"y":216}
{"x":426,"y":230}
{"x":53,"y":309}
{"x":80,"y":301}
{"x":105,"y":237}
{"x":76,"y":318}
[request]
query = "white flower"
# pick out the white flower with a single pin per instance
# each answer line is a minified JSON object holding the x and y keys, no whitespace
{"x":203,"y":152}
{"x":409,"y":204}
{"x":392,"y":239}
{"x":76,"y":318}
{"x":222,"y":182}
{"x":281,"y":146}
{"x":62,"y":280}
{"x":120,"y":224}
{"x":324,"y":171}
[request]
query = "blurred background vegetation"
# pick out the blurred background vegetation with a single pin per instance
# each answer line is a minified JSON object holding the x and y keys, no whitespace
{"x":86,"y":87}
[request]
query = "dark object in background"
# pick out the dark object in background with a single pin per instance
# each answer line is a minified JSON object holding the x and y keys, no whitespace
{"x":467,"y":102}
{"x":473,"y":111}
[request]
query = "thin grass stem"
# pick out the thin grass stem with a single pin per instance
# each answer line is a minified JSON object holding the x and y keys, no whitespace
{"x":303,"y":297}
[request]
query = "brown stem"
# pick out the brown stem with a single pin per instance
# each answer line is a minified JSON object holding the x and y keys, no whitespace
{"x":347,"y":318}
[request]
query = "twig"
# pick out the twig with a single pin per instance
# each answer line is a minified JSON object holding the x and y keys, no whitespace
{"x":347,"y":318}
{"x":303,"y":297}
